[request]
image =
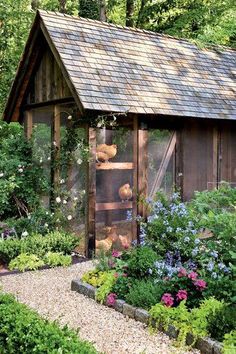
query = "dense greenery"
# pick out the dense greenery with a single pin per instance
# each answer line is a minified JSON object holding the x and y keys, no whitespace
{"x":23,"y":331}
{"x":205,"y":21}
{"x":38,"y":245}
{"x":184,"y":269}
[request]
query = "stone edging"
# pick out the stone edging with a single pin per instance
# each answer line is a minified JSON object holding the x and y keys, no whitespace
{"x":205,"y":345}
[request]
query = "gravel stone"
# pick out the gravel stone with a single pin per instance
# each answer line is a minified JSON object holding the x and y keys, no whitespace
{"x":205,"y":345}
{"x":49,"y":293}
{"x":217,"y":348}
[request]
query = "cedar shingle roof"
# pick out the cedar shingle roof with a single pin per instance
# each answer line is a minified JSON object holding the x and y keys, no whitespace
{"x":114,"y":68}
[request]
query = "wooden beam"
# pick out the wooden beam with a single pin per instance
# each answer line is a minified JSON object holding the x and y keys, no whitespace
{"x":114,"y":166}
{"x":56,"y":144}
{"x":215,"y":158}
{"x":135,"y":177}
{"x":164,"y":164}
{"x":91,"y":195}
{"x":142,"y":170}
{"x":65,"y":100}
{"x":113,"y":206}
{"x":28,"y":122}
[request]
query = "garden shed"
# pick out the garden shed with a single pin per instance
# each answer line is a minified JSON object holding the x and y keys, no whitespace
{"x":141,"y":112}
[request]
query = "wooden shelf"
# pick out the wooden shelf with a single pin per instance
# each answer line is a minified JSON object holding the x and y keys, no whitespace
{"x":114,"y":206}
{"x":114,"y":165}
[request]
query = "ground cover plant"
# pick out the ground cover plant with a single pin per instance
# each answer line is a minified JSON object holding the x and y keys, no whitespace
{"x":23,"y":331}
{"x":184,"y":269}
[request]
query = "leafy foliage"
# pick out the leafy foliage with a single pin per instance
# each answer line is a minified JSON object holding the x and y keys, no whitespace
{"x":141,"y":260}
{"x":26,"y":262}
{"x":105,"y":289}
{"x":23,"y":331}
{"x":38,"y":245}
{"x":222,"y":321}
{"x":229,"y":343}
{"x":55,"y":259}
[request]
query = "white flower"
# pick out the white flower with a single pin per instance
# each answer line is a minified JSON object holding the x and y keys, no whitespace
{"x":58,"y":200}
{"x":1,"y":174}
{"x":19,"y":166}
{"x":54,"y":143}
{"x":62,"y":181}
{"x":64,"y":201}
{"x":75,"y":198}
{"x":99,"y":124}
{"x":79,"y":161}
{"x":46,"y":225}
{"x":58,"y":220}
{"x":49,"y":158}
{"x":69,"y":217}
{"x":24,"y":234}
{"x":47,"y":213}
{"x":41,"y":160}
{"x":69,"y":117}
{"x":20,"y":170}
{"x":83,"y":191}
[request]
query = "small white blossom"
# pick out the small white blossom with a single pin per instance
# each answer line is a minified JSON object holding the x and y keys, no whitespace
{"x":75,"y":198}
{"x":62,"y":181}
{"x":58,"y":220}
{"x":49,"y":158}
{"x":54,"y":143}
{"x":69,"y":217}
{"x":79,"y":161}
{"x":64,"y":201}
{"x":99,"y":124}
{"x":20,"y":170}
{"x":83,"y":191}
{"x":45,"y":225}
{"x":1,"y":174}
{"x":69,"y":117}
{"x":24,"y":234}
{"x":41,"y":160}
{"x":58,"y":200}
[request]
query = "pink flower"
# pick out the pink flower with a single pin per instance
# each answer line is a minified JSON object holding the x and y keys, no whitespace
{"x":182,"y":273}
{"x":193,"y":275}
{"x":116,"y":275}
{"x":167,"y":299}
{"x":116,"y":254}
{"x":182,"y":295}
{"x":124,"y":275}
{"x":200,"y":284}
{"x":111,"y":299}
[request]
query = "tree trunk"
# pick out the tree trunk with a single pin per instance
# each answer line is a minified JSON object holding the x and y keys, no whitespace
{"x":140,"y":20}
{"x":102,"y":10}
{"x":129,"y":13}
{"x":62,"y":6}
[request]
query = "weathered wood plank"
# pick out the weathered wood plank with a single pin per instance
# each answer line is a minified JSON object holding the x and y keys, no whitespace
{"x":113,"y":206}
{"x":114,"y":166}
{"x":135,"y":177}
{"x":28,"y":124}
{"x":142,"y":170}
{"x":56,"y":144}
{"x":91,"y":195}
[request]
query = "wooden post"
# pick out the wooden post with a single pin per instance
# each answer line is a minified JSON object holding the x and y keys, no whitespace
{"x":179,"y":177}
{"x":135,"y":177}
{"x":56,"y":145}
{"x":91,"y":195}
{"x":28,"y":124}
{"x":142,"y":170}
{"x":215,"y":158}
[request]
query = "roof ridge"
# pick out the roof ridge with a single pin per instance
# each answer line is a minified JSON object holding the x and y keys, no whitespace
{"x":137,"y":30}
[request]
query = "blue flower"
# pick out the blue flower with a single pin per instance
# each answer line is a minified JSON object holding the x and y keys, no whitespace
{"x":129,"y":215}
{"x":197,"y":241}
{"x":214,"y":275}
{"x":150,"y":270}
{"x":210,"y":266}
{"x":221,"y":266}
{"x":194,"y":251}
{"x":186,"y":239}
{"x":214,"y":254}
{"x":169,"y":229}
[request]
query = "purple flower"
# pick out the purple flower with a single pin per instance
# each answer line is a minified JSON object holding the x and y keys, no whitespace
{"x":111,"y":299}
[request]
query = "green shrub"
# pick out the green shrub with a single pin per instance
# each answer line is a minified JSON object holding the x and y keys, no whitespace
{"x":55,"y":259}
{"x":39,"y":245}
{"x":22,"y":331}
{"x":222,"y":322}
{"x":144,"y":294}
{"x":141,"y":261}
{"x":26,"y":261}
{"x":106,"y":287}
{"x":122,"y":286}
{"x":229,"y":343}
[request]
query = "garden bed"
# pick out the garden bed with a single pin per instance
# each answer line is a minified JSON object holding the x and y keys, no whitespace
{"x":75,"y":260}
{"x":205,"y":345}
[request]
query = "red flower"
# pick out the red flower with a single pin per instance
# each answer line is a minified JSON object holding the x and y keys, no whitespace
{"x":182,"y":273}
{"x":182,"y":295}
{"x":193,"y":275}
{"x":116,"y":254}
{"x":167,"y":299}
{"x":111,"y":299}
{"x":200,"y":284}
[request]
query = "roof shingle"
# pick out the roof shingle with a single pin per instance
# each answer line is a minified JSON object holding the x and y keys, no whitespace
{"x":122,"y":69}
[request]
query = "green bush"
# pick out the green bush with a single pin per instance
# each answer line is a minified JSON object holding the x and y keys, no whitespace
{"x":144,"y":294}
{"x":22,"y":331}
{"x":141,"y":261}
{"x":39,"y":245}
{"x":229,"y":343}
{"x":26,"y":261}
{"x":55,"y":259}
{"x":222,"y":322}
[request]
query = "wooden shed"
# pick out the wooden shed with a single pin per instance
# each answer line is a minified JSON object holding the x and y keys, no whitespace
{"x":155,"y":111}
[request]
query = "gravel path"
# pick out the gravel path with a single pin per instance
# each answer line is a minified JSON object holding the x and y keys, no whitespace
{"x":49,"y":293}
